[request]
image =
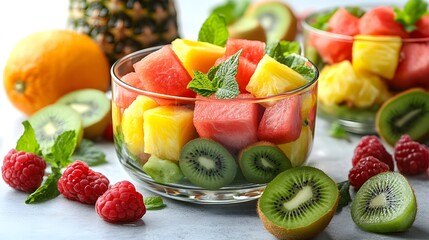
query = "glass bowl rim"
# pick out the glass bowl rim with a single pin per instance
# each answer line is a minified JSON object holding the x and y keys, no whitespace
{"x":308,"y":86}
{"x":346,"y":38}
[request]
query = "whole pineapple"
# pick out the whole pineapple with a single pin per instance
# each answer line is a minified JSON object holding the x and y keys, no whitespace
{"x":124,"y":26}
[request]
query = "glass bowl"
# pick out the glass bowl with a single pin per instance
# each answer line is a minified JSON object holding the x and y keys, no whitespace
{"x":133,"y":157}
{"x":380,"y":63}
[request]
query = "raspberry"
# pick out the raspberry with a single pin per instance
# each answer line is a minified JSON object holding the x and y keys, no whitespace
{"x":121,"y":203}
{"x":371,"y":146}
{"x":364,"y":169}
{"x":80,"y":183}
{"x":411,"y":157}
{"x":23,"y":171}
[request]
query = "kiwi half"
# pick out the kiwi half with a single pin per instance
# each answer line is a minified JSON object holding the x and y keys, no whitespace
{"x":247,"y":28}
{"x":162,"y":171}
{"x":94,"y":108}
{"x":405,"y":113}
{"x":299,"y":203}
{"x":262,"y":161}
{"x":385,"y":203}
{"x":51,"y":121}
{"x":276,"y":17}
{"x":207,"y":163}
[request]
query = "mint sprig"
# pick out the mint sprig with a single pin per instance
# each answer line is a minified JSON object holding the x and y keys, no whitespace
{"x":410,"y":14}
{"x":61,"y":151}
{"x":231,"y":10}
{"x":49,"y":189}
{"x":345,"y":199}
{"x":89,"y":154}
{"x":28,"y":141}
{"x":220,"y":80}
{"x":154,"y":203}
{"x":214,"y":30}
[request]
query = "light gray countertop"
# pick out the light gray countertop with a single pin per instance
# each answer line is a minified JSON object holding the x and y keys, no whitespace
{"x":63,"y":219}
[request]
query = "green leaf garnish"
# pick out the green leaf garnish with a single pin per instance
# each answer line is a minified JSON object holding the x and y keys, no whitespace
{"x":48,"y":190}
{"x":345,"y":199}
{"x":28,"y":141}
{"x":280,"y":50}
{"x":231,"y":10}
{"x":338,"y":131}
{"x":63,"y":148}
{"x":321,"y":20}
{"x":355,"y":11}
{"x":154,"y":203}
{"x":410,"y":14}
{"x":220,"y":80}
{"x":214,"y":30}
{"x":88,"y":153}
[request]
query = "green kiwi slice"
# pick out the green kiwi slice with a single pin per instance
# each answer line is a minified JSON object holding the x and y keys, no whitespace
{"x":162,"y":171}
{"x":299,"y":203}
{"x":384,"y":204}
{"x":207,"y":164}
{"x":51,"y":121}
{"x":405,"y":113}
{"x":94,"y":108}
{"x":262,"y":161}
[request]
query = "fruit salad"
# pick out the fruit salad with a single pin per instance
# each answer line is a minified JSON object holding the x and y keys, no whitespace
{"x":366,"y":56}
{"x":211,"y":115}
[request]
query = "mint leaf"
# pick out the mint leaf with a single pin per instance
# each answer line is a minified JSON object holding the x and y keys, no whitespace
{"x":338,"y":131}
{"x":298,"y":64}
{"x":355,"y":11}
{"x":321,"y":20}
{"x":214,"y":30}
{"x":201,"y":84}
{"x":28,"y":141}
{"x":154,"y":203}
{"x":88,"y":153}
{"x":48,"y":190}
{"x":224,"y":78}
{"x":231,"y":10}
{"x":345,"y":199}
{"x":412,"y":12}
{"x":280,"y":50}
{"x":63,"y":148}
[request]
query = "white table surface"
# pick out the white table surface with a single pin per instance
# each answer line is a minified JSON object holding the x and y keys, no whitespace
{"x":64,"y":219}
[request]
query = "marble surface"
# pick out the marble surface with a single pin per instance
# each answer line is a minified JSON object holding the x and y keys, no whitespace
{"x":63,"y":219}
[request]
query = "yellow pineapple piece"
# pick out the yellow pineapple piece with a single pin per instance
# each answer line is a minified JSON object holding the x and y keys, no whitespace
{"x":132,"y":125}
{"x":298,"y":150}
{"x":196,"y":55}
{"x":167,"y":129}
{"x":376,"y":54}
{"x":373,"y":90}
{"x":271,"y":78}
{"x":116,"y":116}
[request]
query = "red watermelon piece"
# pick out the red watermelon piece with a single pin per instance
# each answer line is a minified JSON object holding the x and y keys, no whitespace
{"x":245,"y":71}
{"x":162,"y":72}
{"x":343,"y":22}
{"x":422,"y":30}
{"x":281,"y":122}
{"x":252,"y":50}
{"x":232,"y":123}
{"x":124,"y":97}
{"x":413,"y":68}
{"x":331,"y":48}
{"x":381,"y":21}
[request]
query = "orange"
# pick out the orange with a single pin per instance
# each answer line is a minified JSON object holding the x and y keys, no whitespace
{"x":45,"y":65}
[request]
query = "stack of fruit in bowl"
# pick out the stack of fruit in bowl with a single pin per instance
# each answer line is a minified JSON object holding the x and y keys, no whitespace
{"x":196,"y":113}
{"x":367,"y":56}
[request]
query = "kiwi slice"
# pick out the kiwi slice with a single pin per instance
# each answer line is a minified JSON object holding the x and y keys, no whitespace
{"x":262,"y":161}
{"x":162,"y":171}
{"x":247,"y":28}
{"x":94,"y":108}
{"x":299,"y":203}
{"x":405,"y":113}
{"x":207,"y":163}
{"x":51,"y":121}
{"x":384,"y":204}
{"x":277,"y":19}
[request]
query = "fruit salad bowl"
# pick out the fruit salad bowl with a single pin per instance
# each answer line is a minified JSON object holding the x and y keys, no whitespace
{"x":366,"y":55}
{"x":199,"y":149}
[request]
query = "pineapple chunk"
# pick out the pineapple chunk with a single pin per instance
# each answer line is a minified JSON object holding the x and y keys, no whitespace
{"x":376,"y":54}
{"x":132,"y":125}
{"x":116,"y":116}
{"x":298,"y":150}
{"x":196,"y":55}
{"x":271,"y":78}
{"x":374,"y":90}
{"x":167,"y":129}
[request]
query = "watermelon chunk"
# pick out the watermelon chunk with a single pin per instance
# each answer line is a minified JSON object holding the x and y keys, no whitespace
{"x":422,"y":30}
{"x":381,"y":21}
{"x":245,"y":71}
{"x":232,"y":123}
{"x":162,"y":72}
{"x":253,"y":50}
{"x":413,"y":68}
{"x":281,"y":122}
{"x":124,"y":97}
{"x":332,"y":49}
{"x":343,"y":22}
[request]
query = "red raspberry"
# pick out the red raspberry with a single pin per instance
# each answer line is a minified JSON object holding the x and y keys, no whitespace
{"x":364,"y":169}
{"x":411,"y":157}
{"x":372,"y":146}
{"x":121,"y":203}
{"x":23,"y":171}
{"x":80,"y":183}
